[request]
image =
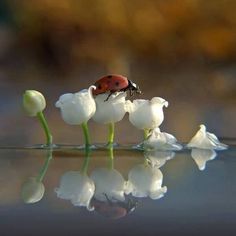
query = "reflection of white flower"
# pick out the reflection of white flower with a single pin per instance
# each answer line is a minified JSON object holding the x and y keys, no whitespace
{"x":144,"y":181}
{"x":158,"y":158}
{"x":145,"y":114}
{"x":162,"y":141}
{"x":201,"y":156}
{"x":76,"y":187}
{"x":205,"y":140}
{"x":109,"y":184}
{"x":32,"y":190}
{"x":77,"y":108}
{"x":33,"y":102}
{"x":110,"y":111}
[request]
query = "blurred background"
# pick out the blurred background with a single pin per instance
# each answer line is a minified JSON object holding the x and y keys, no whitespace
{"x":181,"y":50}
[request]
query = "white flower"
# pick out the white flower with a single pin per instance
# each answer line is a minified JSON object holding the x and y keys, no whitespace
{"x":77,"y":108}
{"x":158,"y":158}
{"x":145,"y":114}
{"x":145,"y":180}
{"x":206,"y":140}
{"x":162,"y":141}
{"x":110,"y":111}
{"x":201,"y":156}
{"x":76,"y":187}
{"x":32,"y":190}
{"x":109,"y":183}
{"x":33,"y":102}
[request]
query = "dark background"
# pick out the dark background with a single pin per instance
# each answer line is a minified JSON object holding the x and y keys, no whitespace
{"x":181,"y":50}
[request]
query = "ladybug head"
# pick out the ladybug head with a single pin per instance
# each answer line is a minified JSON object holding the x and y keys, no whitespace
{"x":131,"y":205}
{"x":134,"y":87}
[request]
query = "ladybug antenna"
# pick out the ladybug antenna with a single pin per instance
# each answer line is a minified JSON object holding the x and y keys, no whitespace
{"x":138,"y":91}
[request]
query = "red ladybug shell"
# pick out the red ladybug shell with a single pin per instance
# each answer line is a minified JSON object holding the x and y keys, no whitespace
{"x":110,"y":83}
{"x":112,"y":211}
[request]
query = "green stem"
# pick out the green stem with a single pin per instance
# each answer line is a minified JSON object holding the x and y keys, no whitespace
{"x":85,"y":165}
{"x":146,"y":133}
{"x":44,"y":169}
{"x":44,"y":123}
{"x":86,"y":134}
{"x":111,"y":134}
{"x":111,"y":158}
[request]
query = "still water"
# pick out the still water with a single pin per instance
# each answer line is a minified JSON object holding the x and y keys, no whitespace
{"x":135,"y":193}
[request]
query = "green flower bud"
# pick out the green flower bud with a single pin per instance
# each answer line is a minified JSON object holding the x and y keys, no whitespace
{"x":32,"y":190}
{"x":33,"y":102}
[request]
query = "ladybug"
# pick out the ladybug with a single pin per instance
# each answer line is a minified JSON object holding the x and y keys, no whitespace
{"x":114,"y":210}
{"x":115,"y":83}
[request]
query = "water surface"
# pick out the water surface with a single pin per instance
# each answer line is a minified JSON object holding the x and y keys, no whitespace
{"x":196,"y":202}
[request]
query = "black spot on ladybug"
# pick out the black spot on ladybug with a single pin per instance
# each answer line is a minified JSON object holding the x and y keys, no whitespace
{"x":109,"y":76}
{"x":99,"y":86}
{"x":117,"y":83}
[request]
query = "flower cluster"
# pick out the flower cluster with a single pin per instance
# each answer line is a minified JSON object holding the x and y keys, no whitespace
{"x":105,"y":102}
{"x":110,"y":108}
{"x":107,"y":185}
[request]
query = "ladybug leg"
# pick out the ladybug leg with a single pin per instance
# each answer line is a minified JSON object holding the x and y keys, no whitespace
{"x":131,"y":92}
{"x":108,"y":96}
{"x":108,"y":200}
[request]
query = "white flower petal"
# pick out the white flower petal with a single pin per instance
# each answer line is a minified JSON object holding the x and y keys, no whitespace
{"x":77,"y":108}
{"x":159,"y":100}
{"x":64,"y":98}
{"x":110,"y":111}
{"x":158,"y":158}
{"x":205,"y":140}
{"x":109,"y":184}
{"x":159,"y":193}
{"x":201,"y":156}
{"x":145,"y":180}
{"x":77,"y":188}
{"x":161,"y":141}
{"x":145,"y":114}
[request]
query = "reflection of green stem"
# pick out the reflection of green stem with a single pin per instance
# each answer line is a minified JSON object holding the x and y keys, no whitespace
{"x":85,"y":165}
{"x":111,"y":134}
{"x":111,"y":158}
{"x":146,"y":162}
{"x":86,"y":134}
{"x":44,"y":123}
{"x":44,"y":169}
{"x":146,"y":133}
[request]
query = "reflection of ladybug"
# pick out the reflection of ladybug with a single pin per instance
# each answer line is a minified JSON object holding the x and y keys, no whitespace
{"x":115,"y":83}
{"x":114,"y":210}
